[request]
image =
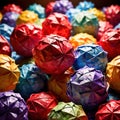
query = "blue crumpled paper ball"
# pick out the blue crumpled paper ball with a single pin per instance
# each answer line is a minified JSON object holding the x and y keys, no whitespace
{"x":90,"y":55}
{"x":32,"y":80}
{"x":40,"y":10}
{"x":85,"y":5}
{"x":117,"y":26}
{"x":6,"y":31}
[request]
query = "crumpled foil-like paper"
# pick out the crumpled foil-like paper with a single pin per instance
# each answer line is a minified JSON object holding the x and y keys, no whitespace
{"x":112,"y":14}
{"x":110,"y":42}
{"x":12,"y":106}
{"x":37,"y":8}
{"x":87,"y":87}
{"x":40,"y":104}
{"x":9,"y":73}
{"x":4,"y":46}
{"x":62,"y":6}
{"x":1,"y":16}
{"x":98,"y":13}
{"x":12,"y":8}
{"x":27,"y":16}
{"x":113,"y":73}
{"x":10,"y":18}
{"x":32,"y":80}
{"x":103,"y":27}
{"x":57,"y":23}
{"x":24,"y":38}
{"x":85,"y":22}
{"x":6,"y":31}
{"x":90,"y":55}
{"x":117,"y":26}
{"x":109,"y":111}
{"x":81,"y":39}
{"x":67,"y":111}
{"x":85,"y":5}
{"x":54,"y":54}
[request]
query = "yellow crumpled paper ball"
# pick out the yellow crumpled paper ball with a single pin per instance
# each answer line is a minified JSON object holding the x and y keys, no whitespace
{"x":98,"y":13}
{"x":27,"y":17}
{"x":9,"y":73}
{"x":1,"y":16}
{"x":113,"y":73}
{"x":81,"y":39}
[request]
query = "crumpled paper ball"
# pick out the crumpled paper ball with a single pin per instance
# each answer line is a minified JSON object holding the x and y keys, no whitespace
{"x":62,"y":6}
{"x":27,"y":16}
{"x":103,"y":27}
{"x":87,"y":87}
{"x":85,"y":5}
{"x":40,"y":104}
{"x":57,"y":23}
{"x":90,"y":55}
{"x":81,"y":39}
{"x":12,"y":8}
{"x":24,"y":38}
{"x":12,"y":106}
{"x":112,"y":14}
{"x":9,"y":73}
{"x":32,"y":80}
{"x":1,"y":16}
{"x":4,"y":46}
{"x":38,"y":9}
{"x":53,"y":54}
{"x":67,"y":111}
{"x":113,"y":73}
{"x":117,"y":26}
{"x":10,"y":18}
{"x":85,"y":22}
{"x":110,"y":42}
{"x":71,"y":12}
{"x":98,"y":13}
{"x":6,"y":31}
{"x":109,"y":111}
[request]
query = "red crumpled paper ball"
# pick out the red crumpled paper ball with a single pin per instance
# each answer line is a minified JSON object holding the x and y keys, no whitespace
{"x":112,"y":14}
{"x":57,"y":23}
{"x":40,"y":104}
{"x":11,"y":8}
{"x":24,"y":38}
{"x":110,"y":42}
{"x":53,"y":54}
{"x":109,"y":111}
{"x":103,"y":27}
{"x":4,"y":46}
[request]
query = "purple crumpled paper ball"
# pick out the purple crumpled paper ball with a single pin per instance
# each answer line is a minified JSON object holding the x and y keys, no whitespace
{"x":87,"y":87}
{"x":12,"y":106}
{"x":10,"y":18}
{"x":62,"y":6}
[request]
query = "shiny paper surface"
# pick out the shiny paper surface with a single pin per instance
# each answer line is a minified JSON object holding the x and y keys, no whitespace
{"x":10,"y":18}
{"x":1,"y":16}
{"x":113,"y":14}
{"x":67,"y":111}
{"x":9,"y":73}
{"x":32,"y":80}
{"x":117,"y":26}
{"x":87,"y":87}
{"x":11,"y":8}
{"x":40,"y":104}
{"x":62,"y":6}
{"x":57,"y":23}
{"x":53,"y":54}
{"x":113,"y":73}
{"x":27,"y":16}
{"x":24,"y":38}
{"x":4,"y":46}
{"x":85,"y":22}
{"x":12,"y":106}
{"x":81,"y":39}
{"x":103,"y":27}
{"x":110,"y":42}
{"x":37,"y":8}
{"x":109,"y":111}
{"x":90,"y":55}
